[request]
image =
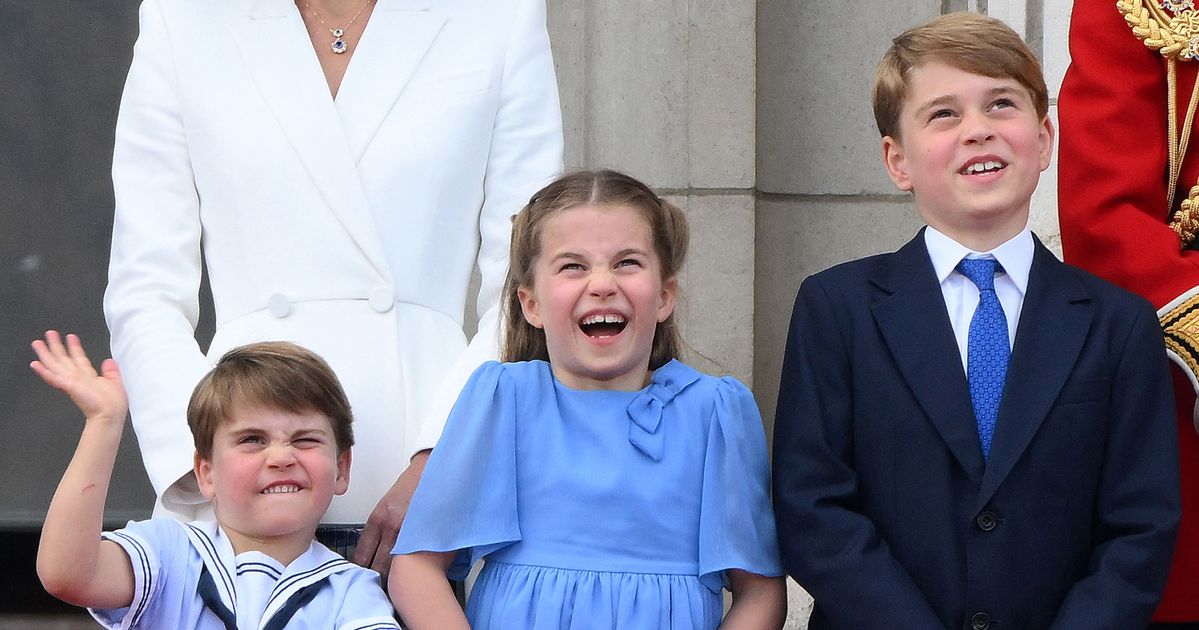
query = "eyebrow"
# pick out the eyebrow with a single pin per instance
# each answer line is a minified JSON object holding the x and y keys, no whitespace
{"x":949,"y":98}
{"x":294,"y":434}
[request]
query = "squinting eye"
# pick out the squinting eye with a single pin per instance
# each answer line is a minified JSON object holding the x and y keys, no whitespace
{"x":1003,"y":103}
{"x":251,"y":439}
{"x":940,"y":113}
{"x":629,"y":262}
{"x":571,"y":267}
{"x":305,"y":442}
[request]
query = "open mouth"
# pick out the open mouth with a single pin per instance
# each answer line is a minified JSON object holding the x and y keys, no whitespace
{"x":982,"y":168}
{"x":283,"y":488}
{"x":602,"y":325}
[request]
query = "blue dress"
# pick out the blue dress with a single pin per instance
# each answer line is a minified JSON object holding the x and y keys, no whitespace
{"x":597,"y":509}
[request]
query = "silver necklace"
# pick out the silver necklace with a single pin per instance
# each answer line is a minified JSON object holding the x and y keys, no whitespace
{"x":339,"y":45}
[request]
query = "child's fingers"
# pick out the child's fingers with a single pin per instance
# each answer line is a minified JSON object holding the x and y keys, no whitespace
{"x":77,"y":355}
{"x":54,"y":343}
{"x":44,"y":354}
{"x":110,"y":370}
{"x":50,"y":377}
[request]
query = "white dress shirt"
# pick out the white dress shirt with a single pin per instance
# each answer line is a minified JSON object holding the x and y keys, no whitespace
{"x":961,"y":294}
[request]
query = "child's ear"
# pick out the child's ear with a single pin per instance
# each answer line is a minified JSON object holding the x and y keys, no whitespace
{"x":896,"y":162}
{"x":528,"y":306}
{"x":1045,"y":137}
{"x":342,"y":483}
{"x":203,"y":470}
{"x":666,"y":301}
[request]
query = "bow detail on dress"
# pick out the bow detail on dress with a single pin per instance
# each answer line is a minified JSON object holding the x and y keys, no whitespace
{"x":645,"y":412}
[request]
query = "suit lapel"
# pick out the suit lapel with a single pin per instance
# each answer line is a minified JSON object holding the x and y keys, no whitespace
{"x":283,"y":64}
{"x":1054,"y":322}
{"x":396,"y":39}
{"x":915,"y":326}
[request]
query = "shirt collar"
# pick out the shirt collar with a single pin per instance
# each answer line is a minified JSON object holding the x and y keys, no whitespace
{"x":1015,"y":255}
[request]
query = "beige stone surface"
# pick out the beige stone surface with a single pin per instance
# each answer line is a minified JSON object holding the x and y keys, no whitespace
{"x":796,"y":238}
{"x":816,"y":131}
{"x":662,"y":90}
{"x":717,"y":284}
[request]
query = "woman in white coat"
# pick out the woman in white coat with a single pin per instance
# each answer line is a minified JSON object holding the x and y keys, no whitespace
{"x":339,"y":168}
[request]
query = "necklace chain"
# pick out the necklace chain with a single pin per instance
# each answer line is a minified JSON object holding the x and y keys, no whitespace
{"x":339,"y":45}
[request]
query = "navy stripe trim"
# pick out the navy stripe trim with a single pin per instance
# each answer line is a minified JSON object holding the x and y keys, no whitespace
{"x":258,"y":567}
{"x":331,"y":566}
{"x":144,"y":561}
{"x":210,"y":547}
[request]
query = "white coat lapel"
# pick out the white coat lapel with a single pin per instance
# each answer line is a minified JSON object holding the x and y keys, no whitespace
{"x":280,"y":58}
{"x":396,"y":39}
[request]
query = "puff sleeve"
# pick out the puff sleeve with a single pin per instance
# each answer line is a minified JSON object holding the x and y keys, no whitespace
{"x":736,"y":529}
{"x":467,"y":500}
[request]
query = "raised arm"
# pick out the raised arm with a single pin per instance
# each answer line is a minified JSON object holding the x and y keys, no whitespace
{"x":72,"y":562}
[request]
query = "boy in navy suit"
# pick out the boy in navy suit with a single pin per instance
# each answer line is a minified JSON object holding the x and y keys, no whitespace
{"x":971,"y":434}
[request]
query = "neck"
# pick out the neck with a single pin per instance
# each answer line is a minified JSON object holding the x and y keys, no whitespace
{"x":982,"y":237}
{"x":333,"y":9}
{"x":284,"y":549}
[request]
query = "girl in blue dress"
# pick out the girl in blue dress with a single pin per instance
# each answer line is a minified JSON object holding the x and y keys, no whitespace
{"x":604,"y":483}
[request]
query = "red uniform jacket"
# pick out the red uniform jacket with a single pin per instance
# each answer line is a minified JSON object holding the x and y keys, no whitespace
{"x":1113,"y":179}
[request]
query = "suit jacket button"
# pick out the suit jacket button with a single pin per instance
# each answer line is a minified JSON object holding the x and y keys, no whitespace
{"x":279,"y":305}
{"x":986,"y":521}
{"x":381,"y":299}
{"x":980,"y":621}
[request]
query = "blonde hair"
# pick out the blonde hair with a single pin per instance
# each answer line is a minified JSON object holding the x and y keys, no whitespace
{"x":272,"y":374}
{"x":970,"y":42}
{"x":668,"y":228}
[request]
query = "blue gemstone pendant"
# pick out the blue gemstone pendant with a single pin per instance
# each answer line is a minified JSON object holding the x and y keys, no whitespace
{"x":339,"y":45}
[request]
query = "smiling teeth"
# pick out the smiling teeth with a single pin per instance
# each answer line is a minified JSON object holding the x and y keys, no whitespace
{"x":982,"y":167}
{"x":281,"y":489}
{"x":603,"y":319}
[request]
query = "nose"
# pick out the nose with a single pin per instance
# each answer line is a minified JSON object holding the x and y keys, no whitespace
{"x":280,"y":456}
{"x":977,"y":128}
{"x":602,"y":284}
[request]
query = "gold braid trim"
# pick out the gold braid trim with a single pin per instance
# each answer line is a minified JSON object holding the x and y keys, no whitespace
{"x":1180,"y":323}
{"x":1175,"y":36}
{"x":1186,"y":221}
{"x":1171,"y":36}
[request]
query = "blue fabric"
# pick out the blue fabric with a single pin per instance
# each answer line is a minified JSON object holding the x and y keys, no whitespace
{"x":987,"y":349}
{"x":597,"y":509}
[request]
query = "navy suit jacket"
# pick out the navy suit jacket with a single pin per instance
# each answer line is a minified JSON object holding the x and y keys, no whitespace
{"x":887,"y":513}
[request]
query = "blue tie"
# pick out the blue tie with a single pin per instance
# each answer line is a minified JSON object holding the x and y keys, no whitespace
{"x":987,"y":349}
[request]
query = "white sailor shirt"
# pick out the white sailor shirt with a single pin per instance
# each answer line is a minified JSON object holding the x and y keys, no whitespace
{"x":187,"y":576}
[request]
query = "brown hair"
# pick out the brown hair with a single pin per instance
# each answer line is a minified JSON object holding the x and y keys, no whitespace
{"x":668,"y":228}
{"x":273,"y":374}
{"x":970,"y":42}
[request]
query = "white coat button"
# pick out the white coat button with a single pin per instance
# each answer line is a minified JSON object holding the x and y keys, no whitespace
{"x":279,"y":305}
{"x":381,"y":299}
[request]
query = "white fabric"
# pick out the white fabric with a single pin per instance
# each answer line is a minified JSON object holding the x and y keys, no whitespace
{"x":351,"y":227}
{"x":168,"y":558}
{"x":961,"y":295}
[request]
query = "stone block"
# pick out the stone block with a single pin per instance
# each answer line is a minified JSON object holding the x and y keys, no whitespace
{"x":717,"y":285}
{"x":721,"y":96}
{"x":796,"y":238}
{"x":816,"y":130}
{"x":566,"y":21}
{"x":637,"y":92}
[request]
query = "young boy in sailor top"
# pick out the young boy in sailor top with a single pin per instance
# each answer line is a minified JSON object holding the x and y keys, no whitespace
{"x":272,"y":431}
